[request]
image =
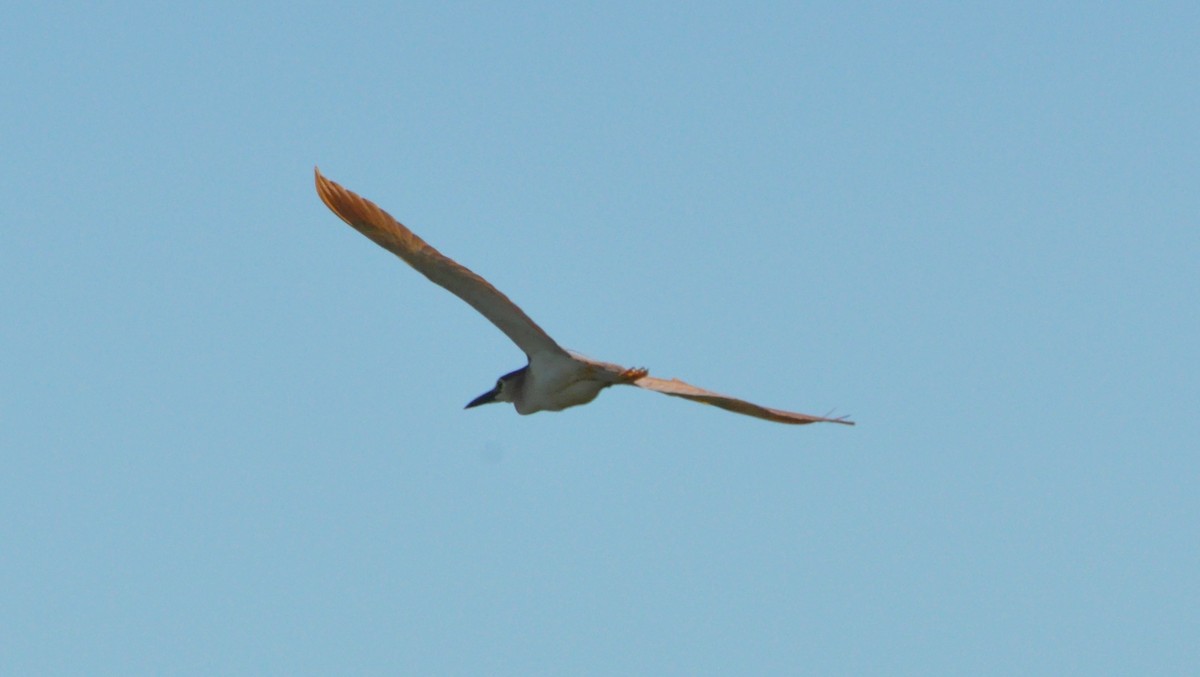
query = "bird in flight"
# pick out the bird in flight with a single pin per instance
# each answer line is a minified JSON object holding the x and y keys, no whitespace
{"x":554,"y":378}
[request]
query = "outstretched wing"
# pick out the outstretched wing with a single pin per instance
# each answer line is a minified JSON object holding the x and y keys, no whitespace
{"x":678,"y":388}
{"x":367,"y":218}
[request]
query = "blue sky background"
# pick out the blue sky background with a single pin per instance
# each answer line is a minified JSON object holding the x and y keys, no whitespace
{"x":232,"y":431}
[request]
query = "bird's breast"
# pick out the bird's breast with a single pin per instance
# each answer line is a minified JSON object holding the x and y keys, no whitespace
{"x":555,"y":384}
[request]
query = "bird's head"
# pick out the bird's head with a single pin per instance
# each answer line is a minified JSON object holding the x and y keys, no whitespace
{"x":505,"y":390}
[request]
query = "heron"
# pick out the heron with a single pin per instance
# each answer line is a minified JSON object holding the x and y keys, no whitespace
{"x":553,"y":378}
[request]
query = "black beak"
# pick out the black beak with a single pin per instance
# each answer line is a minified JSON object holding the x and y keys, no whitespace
{"x":486,"y":398}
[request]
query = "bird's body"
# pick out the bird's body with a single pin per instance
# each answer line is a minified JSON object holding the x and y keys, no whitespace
{"x":554,"y":383}
{"x":554,"y":379}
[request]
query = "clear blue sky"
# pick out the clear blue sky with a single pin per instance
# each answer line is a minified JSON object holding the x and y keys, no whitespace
{"x":231,"y":429}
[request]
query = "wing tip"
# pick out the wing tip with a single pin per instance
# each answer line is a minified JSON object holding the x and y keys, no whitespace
{"x":336,"y":198}
{"x":324,"y":185}
{"x":827,"y":418}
